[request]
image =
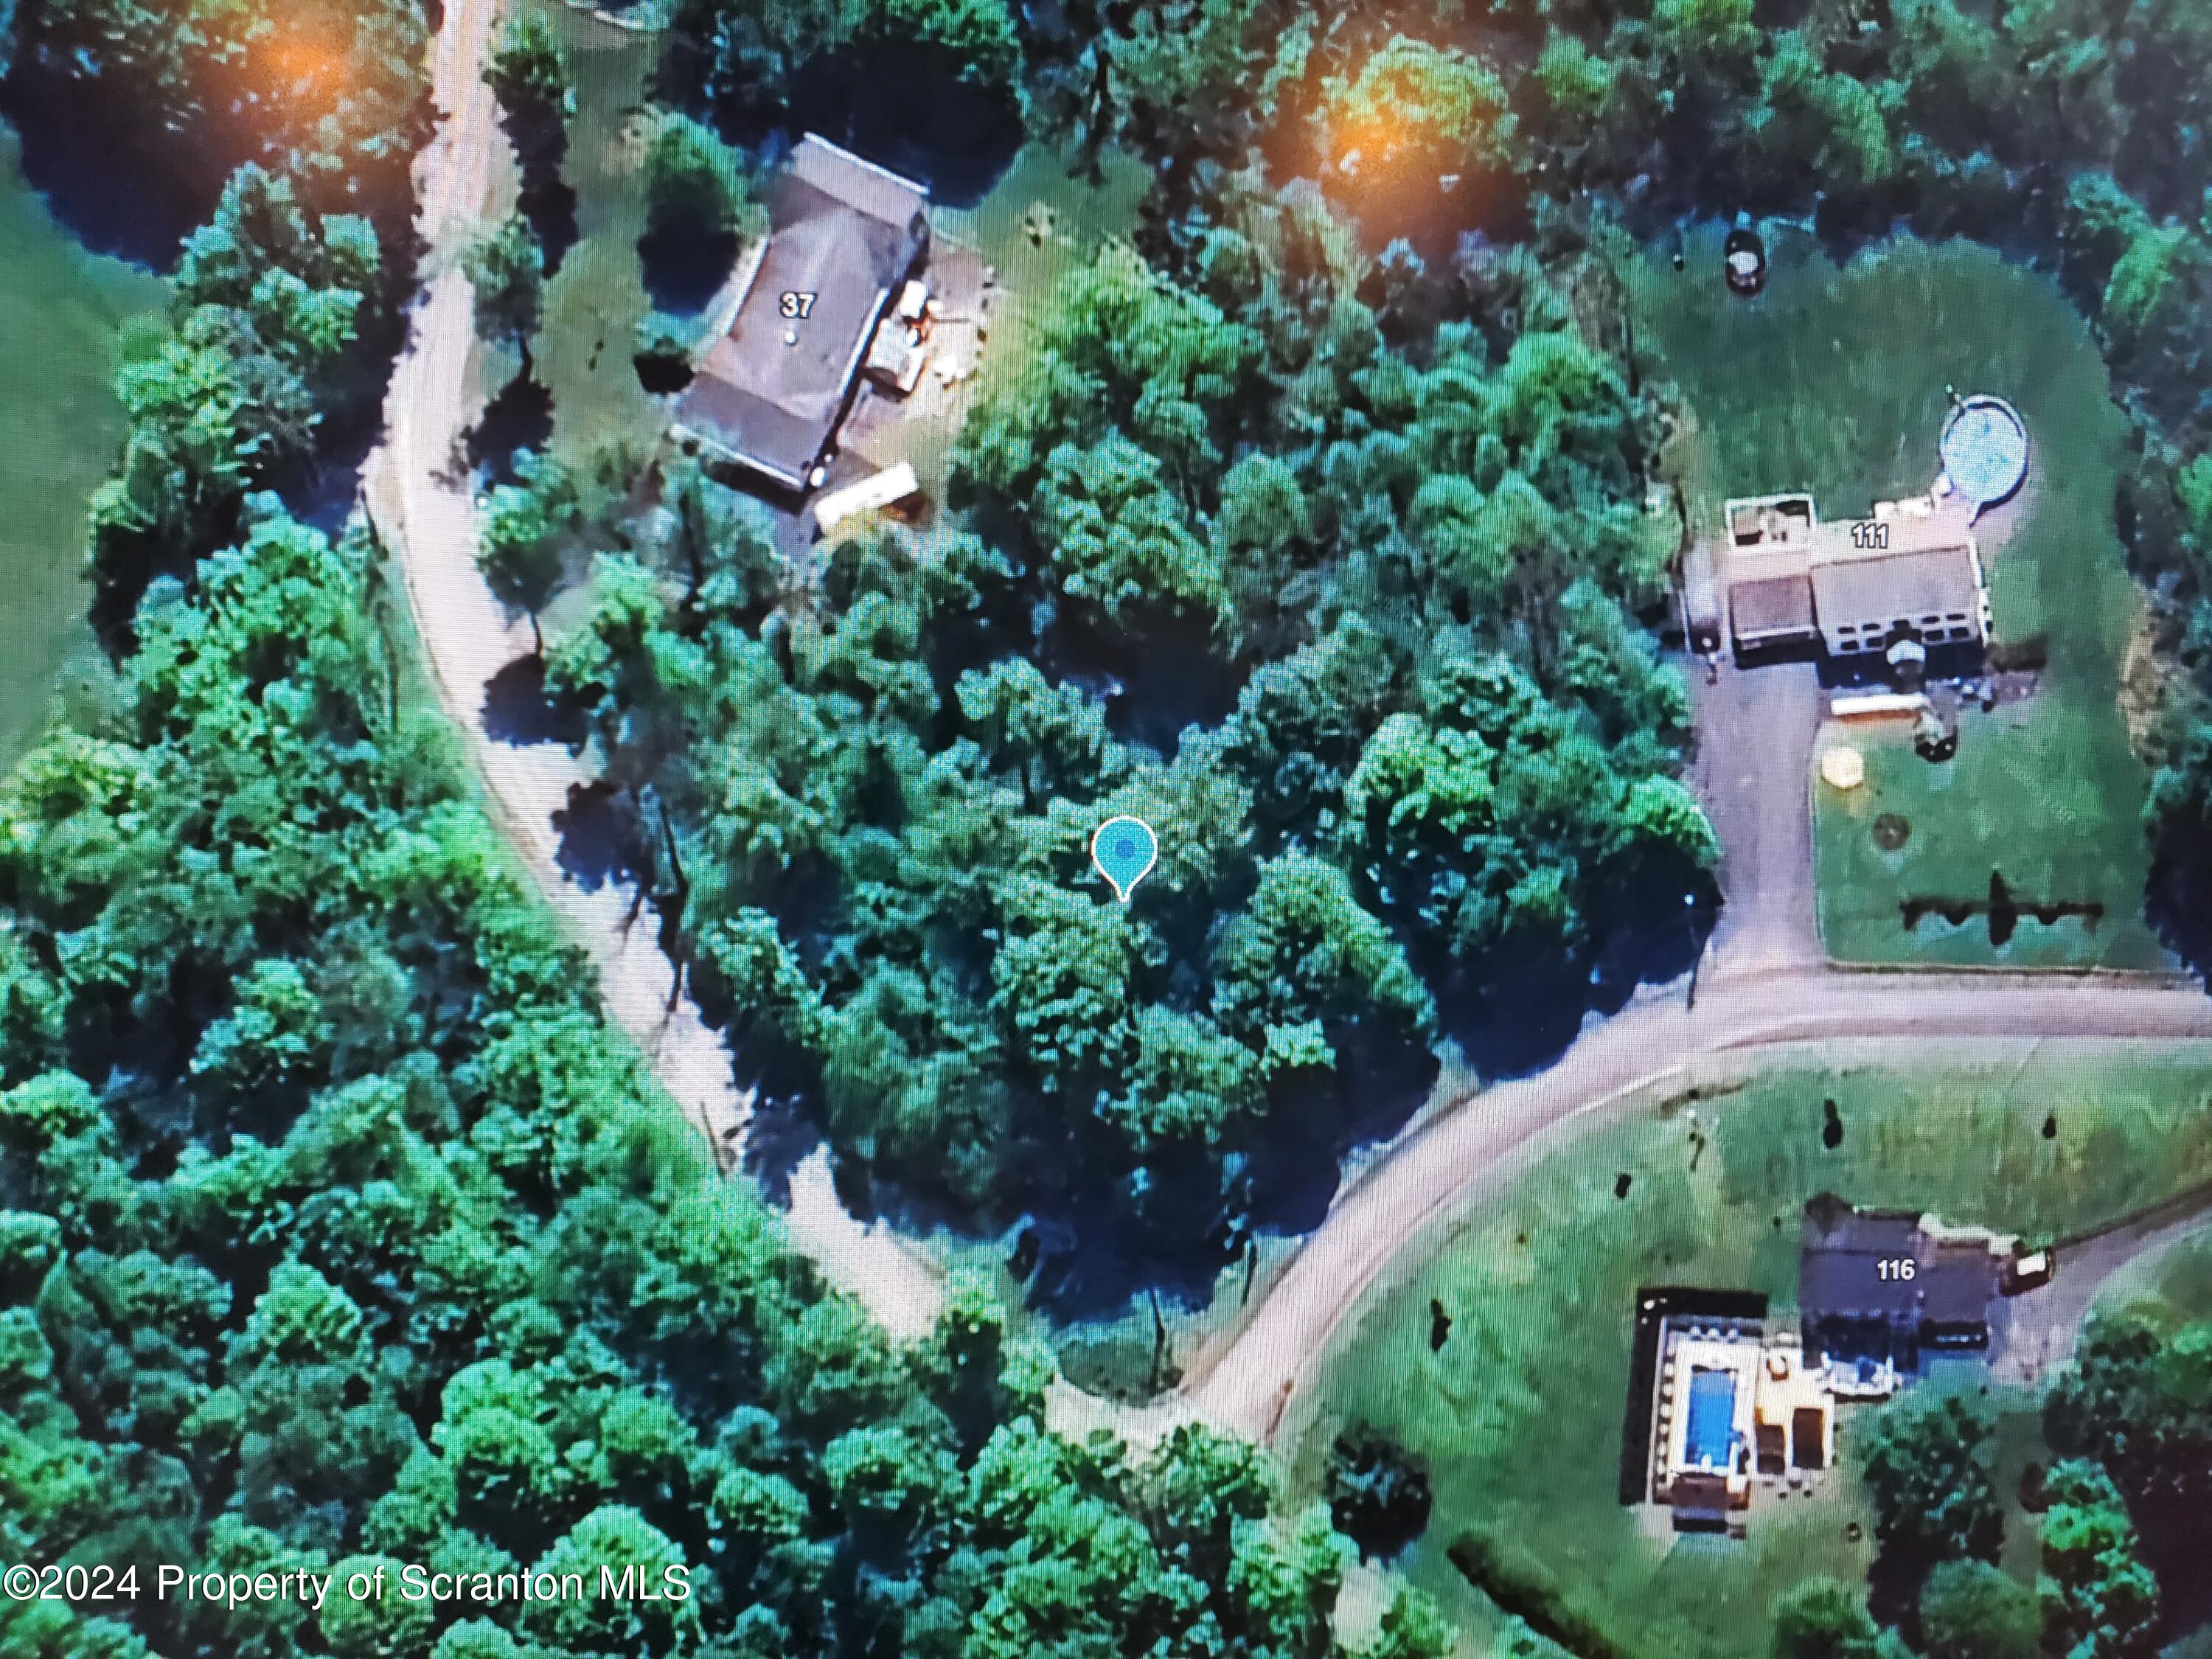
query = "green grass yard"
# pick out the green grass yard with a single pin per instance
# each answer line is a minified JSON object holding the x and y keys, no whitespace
{"x":1833,"y":381}
{"x":1518,"y":1417}
{"x":1040,"y":219}
{"x":595,"y":302}
{"x":61,"y":310}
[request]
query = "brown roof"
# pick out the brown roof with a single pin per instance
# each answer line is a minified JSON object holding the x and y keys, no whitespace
{"x":1765,"y":607}
{"x":770,"y":392}
{"x":1933,"y":581}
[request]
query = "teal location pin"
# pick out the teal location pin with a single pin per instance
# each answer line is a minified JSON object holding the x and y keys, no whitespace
{"x":1125,"y":850}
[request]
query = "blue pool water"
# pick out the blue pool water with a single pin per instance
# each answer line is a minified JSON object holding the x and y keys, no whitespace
{"x":1712,"y":1417}
{"x":1985,"y":449}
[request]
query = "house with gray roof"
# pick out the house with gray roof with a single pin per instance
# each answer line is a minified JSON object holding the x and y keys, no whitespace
{"x":769,"y":392}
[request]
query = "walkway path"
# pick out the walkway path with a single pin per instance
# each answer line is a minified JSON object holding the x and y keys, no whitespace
{"x":1765,"y":986}
{"x":420,"y":499}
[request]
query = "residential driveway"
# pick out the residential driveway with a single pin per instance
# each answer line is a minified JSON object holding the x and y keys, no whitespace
{"x":2034,"y":1334}
{"x":1754,"y":772}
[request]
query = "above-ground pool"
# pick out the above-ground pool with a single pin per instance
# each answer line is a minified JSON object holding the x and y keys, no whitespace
{"x":1984,"y":450}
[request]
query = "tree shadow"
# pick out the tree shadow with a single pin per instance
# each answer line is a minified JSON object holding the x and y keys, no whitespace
{"x":1157,"y":672}
{"x":1516,"y":1013}
{"x":662,"y":374}
{"x":600,"y":842}
{"x":898,"y":105}
{"x":682,"y":273}
{"x":780,"y":1137}
{"x":548,"y":203}
{"x":1380,"y":1080}
{"x":1094,"y":1252}
{"x":518,"y":712}
{"x":2178,"y":901}
{"x":521,"y":418}
{"x":119,"y":184}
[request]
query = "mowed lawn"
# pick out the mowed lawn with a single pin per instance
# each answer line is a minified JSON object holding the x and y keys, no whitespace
{"x":584,"y":352}
{"x":2168,"y":1288}
{"x":61,"y":430}
{"x":1833,"y":381}
{"x":1039,"y":220}
{"x":1518,"y":1416}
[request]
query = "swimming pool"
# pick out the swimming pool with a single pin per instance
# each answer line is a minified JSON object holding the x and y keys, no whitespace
{"x":1711,"y":1433}
{"x":1984,"y":450}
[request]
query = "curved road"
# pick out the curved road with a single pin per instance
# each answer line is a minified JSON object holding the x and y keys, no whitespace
{"x":419,"y":498}
{"x":1653,"y":1046}
{"x":1767,"y":988}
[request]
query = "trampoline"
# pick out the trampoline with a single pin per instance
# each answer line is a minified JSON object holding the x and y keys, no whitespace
{"x":1984,"y":450}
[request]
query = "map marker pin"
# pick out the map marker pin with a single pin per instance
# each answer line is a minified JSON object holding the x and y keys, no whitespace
{"x":1125,"y":850}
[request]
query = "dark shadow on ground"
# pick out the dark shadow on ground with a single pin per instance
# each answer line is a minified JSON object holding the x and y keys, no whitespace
{"x":323,"y":493}
{"x":1518,"y":1015}
{"x":896,"y":104}
{"x":2179,"y":901}
{"x":682,"y":273}
{"x":781,"y":1134}
{"x":519,"y":418}
{"x":600,"y":841}
{"x":121,"y":186}
{"x":548,"y":203}
{"x":662,"y":374}
{"x":517,"y":710}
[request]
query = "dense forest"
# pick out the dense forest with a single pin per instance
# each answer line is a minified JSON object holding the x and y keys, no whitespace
{"x":1419,"y":739}
{"x":337,"y":1231}
{"x":1346,"y":599}
{"x":1357,"y":438}
{"x":338,"y":1235}
{"x":335,"y":1227}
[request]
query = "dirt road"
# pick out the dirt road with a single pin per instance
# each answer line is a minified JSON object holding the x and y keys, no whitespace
{"x":1765,"y":986}
{"x":1653,"y":1046}
{"x":420,"y":501}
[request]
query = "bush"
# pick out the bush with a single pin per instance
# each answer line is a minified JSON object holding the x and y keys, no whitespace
{"x":694,"y":188}
{"x":1378,"y":1497}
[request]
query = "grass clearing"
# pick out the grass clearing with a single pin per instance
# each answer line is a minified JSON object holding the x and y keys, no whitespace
{"x":1833,"y":381}
{"x":2168,"y":1288}
{"x":1038,"y":223}
{"x":61,"y":311}
{"x":1518,"y":1415}
{"x":1040,"y":219}
{"x":594,"y":303}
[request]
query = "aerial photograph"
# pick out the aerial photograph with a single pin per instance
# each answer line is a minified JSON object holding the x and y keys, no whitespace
{"x":1106,"y":829}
